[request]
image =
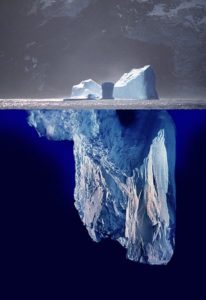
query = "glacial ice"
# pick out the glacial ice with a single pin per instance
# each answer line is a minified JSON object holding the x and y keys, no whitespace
{"x":124,"y":175}
{"x":137,"y":84}
{"x":86,"y":88}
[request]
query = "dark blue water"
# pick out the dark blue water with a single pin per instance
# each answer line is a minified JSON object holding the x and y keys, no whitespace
{"x":46,"y":251}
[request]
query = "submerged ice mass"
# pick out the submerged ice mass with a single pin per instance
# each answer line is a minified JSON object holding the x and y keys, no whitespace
{"x":125,"y":187}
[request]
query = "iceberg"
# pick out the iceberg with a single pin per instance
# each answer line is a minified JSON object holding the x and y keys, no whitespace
{"x":87,"y":89}
{"x":124,"y":175}
{"x":137,"y":84}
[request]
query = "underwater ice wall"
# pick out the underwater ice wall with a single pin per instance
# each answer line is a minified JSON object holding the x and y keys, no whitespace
{"x":124,"y":174}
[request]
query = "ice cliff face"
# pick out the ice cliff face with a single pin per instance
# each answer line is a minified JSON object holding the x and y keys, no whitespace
{"x":137,"y":84}
{"x":125,"y":187}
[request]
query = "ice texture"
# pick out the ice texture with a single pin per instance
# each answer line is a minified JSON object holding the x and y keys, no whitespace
{"x":124,"y":167}
{"x":87,"y":88}
{"x":137,"y":84}
{"x":124,"y":174}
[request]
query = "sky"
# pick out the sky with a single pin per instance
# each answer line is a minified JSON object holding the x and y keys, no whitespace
{"x":48,"y":46}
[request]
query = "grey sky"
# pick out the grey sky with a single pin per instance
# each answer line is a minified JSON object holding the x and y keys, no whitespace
{"x":47,"y":47}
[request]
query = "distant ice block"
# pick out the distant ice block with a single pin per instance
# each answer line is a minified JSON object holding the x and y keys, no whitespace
{"x":107,"y":90}
{"x":87,"y":88}
{"x":137,"y":84}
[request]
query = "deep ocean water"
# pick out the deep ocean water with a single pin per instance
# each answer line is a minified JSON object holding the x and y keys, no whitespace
{"x":47,"y":251}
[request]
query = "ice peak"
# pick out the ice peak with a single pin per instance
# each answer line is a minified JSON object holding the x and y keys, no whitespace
{"x":137,"y":84}
{"x":85,"y":88}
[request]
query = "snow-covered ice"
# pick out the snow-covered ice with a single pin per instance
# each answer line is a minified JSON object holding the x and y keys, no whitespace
{"x":137,"y":84}
{"x":86,"y":88}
